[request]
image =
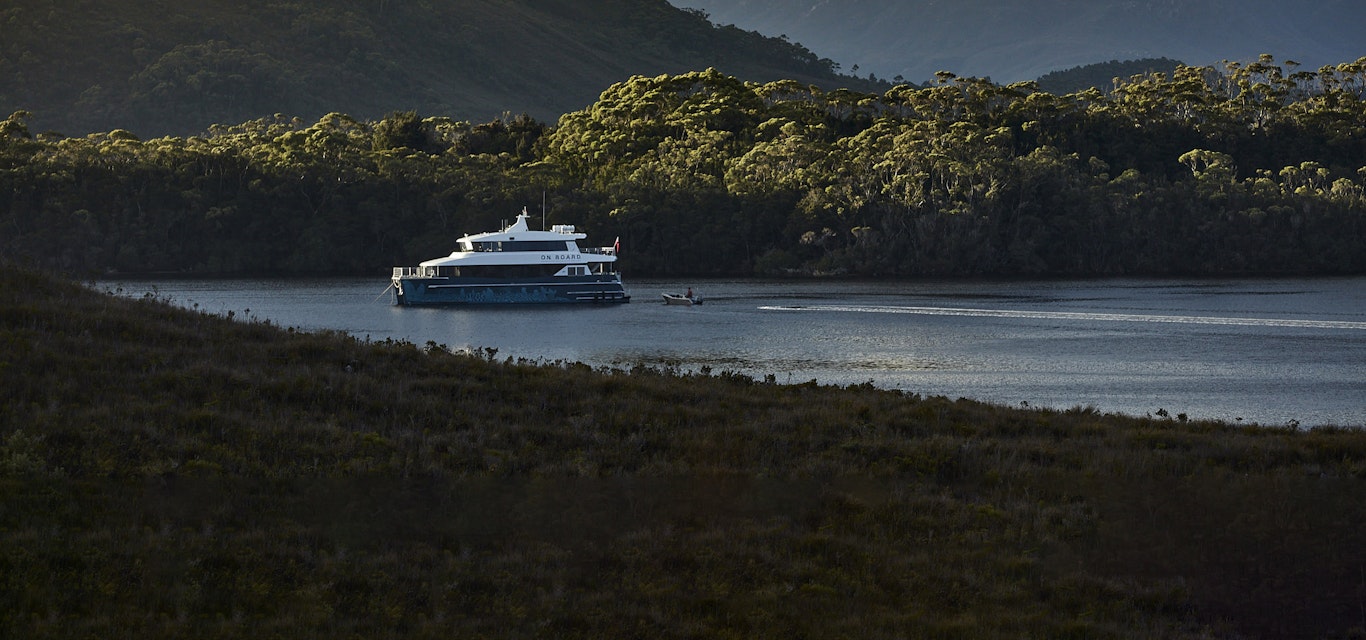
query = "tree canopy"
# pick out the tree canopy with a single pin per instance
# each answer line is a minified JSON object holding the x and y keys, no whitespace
{"x":1255,"y":168}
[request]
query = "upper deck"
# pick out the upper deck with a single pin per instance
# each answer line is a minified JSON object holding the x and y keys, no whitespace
{"x":518,"y":245}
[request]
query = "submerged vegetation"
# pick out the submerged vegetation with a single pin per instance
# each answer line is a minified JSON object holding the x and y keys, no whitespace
{"x":171,"y":473}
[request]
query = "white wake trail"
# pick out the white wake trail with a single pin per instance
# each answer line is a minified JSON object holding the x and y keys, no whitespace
{"x":1073,"y":315}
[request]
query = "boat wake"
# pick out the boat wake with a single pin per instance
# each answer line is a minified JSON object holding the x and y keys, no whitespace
{"x":1073,"y":315}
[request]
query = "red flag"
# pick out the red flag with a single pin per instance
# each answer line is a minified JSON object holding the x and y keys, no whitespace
{"x":616,"y":246}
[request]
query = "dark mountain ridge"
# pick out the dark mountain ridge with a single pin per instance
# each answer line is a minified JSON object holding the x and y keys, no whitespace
{"x":158,"y":67}
{"x":1013,"y":41}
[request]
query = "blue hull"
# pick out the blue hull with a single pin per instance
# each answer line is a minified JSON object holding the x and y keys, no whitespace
{"x":457,"y":291}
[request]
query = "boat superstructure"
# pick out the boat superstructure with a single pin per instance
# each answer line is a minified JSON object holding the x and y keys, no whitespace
{"x":515,"y":266}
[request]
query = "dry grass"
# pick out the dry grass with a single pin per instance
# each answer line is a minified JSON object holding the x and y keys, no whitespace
{"x":167,"y":473}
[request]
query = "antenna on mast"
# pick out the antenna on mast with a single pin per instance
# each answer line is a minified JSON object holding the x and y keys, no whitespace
{"x":542,"y":209}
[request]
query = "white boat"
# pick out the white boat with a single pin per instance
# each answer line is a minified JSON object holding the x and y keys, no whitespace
{"x":678,"y":298}
{"x":514,"y":266}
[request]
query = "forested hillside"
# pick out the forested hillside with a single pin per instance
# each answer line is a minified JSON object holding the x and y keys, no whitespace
{"x":158,"y":67}
{"x":1012,"y":41}
{"x":1102,"y":75}
{"x":1253,"y":169}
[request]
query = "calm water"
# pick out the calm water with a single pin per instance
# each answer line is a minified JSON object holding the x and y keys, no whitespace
{"x":1264,"y":351}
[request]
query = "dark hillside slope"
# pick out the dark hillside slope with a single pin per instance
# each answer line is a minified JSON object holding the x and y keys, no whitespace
{"x":1102,"y":75}
{"x":172,"y":474}
{"x":164,"y":67}
{"x":1010,"y":41}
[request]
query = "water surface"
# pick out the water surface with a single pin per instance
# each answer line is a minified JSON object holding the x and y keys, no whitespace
{"x":1274,"y":351}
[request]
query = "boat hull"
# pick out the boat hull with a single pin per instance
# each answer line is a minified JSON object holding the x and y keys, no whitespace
{"x":674,"y":298}
{"x":412,"y":291}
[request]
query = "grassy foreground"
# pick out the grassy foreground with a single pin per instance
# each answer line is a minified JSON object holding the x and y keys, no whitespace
{"x":166,"y":473}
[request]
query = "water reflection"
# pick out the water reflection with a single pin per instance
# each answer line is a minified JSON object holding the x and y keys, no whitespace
{"x":1269,"y":351}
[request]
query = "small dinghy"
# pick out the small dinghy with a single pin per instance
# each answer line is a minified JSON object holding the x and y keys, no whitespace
{"x":675,"y":298}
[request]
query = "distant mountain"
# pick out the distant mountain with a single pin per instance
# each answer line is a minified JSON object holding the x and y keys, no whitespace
{"x":1010,"y":40}
{"x":1101,"y":75}
{"x":167,"y":66}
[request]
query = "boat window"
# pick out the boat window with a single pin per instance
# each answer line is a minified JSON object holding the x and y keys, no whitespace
{"x":508,"y":271}
{"x":535,"y":245}
{"x":522,"y":245}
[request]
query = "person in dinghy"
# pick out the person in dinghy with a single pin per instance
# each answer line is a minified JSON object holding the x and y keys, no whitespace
{"x":687,"y":299}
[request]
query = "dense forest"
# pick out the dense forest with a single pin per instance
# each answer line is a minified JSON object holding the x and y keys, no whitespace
{"x":1255,"y":168}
